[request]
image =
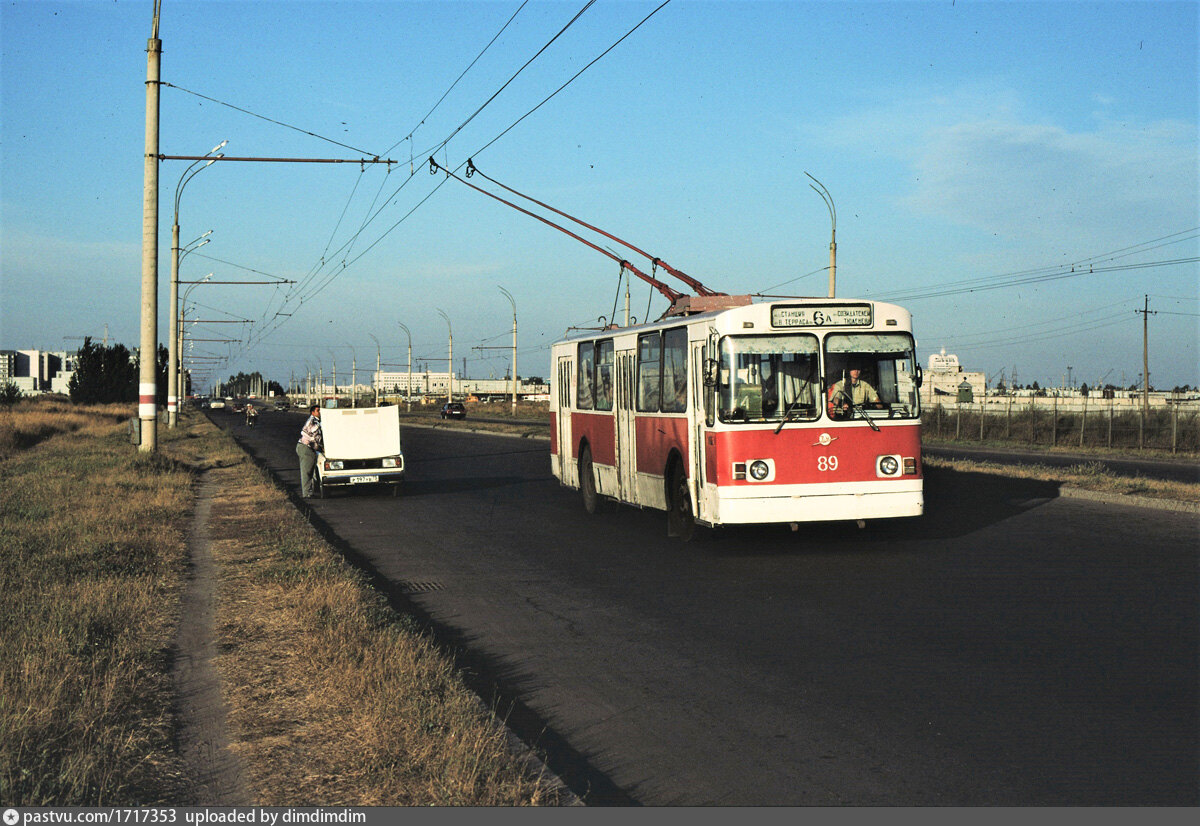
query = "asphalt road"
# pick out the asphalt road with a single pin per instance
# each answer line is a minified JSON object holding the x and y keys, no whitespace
{"x":1011,"y":647}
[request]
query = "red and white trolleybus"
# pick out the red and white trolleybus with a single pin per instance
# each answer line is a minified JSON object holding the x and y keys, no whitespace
{"x":785,"y":411}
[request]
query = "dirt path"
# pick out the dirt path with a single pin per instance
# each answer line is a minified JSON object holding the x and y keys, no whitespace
{"x":217,"y":776}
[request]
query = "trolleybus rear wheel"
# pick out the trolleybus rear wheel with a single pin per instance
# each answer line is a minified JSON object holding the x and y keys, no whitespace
{"x":681,"y":521}
{"x":587,"y":482}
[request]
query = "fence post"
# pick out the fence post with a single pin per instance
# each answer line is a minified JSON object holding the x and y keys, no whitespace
{"x":957,"y":421}
{"x":1111,"y":402}
{"x":1083,"y":421}
{"x":1008,"y":420}
{"x":1054,"y":425}
{"x":1174,"y":427}
{"x":981,"y":421}
{"x":1141,"y":427}
{"x":1032,"y":420}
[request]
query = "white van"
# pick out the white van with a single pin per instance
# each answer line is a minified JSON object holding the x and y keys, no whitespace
{"x":362,"y":447}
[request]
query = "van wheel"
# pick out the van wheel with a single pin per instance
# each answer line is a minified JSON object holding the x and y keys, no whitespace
{"x":587,"y":482}
{"x":681,"y":521}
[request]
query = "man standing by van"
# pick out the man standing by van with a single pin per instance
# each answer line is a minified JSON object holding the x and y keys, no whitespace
{"x":307,"y":449}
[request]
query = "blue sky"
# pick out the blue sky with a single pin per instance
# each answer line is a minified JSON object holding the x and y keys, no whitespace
{"x":974,"y":151}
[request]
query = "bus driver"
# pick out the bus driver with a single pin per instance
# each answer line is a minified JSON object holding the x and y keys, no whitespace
{"x":849,"y":393}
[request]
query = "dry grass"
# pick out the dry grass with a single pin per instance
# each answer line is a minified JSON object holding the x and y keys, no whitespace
{"x":335,"y":698}
{"x":27,"y":423}
{"x":91,"y":559}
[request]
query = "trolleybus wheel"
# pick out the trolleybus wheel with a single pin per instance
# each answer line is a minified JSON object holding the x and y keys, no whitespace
{"x":587,"y":482}
{"x":681,"y":522}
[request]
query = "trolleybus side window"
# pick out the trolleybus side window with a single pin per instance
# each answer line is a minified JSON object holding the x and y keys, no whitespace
{"x":595,"y":360}
{"x":662,"y":379}
{"x":768,"y":378}
{"x":875,"y":373}
{"x":586,"y":363}
{"x":674,"y":380}
{"x":649,"y":372}
{"x":603,"y":390}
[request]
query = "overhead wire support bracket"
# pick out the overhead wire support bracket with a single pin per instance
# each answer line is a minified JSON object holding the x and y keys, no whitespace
{"x":276,"y":160}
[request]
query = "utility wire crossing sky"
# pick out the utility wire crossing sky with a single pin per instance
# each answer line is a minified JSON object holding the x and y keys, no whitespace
{"x":1019,"y":175}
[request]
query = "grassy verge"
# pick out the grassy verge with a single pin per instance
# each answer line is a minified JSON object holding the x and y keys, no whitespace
{"x":1088,"y":476}
{"x":91,"y":559}
{"x":335,"y":699}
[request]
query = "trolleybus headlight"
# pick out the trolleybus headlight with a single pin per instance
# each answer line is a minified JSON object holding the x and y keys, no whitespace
{"x":759,"y":470}
{"x":889,"y":465}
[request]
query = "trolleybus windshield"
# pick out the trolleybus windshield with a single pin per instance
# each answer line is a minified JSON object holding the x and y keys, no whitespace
{"x":768,"y":378}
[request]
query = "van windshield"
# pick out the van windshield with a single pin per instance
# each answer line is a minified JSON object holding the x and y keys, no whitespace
{"x":768,"y":378}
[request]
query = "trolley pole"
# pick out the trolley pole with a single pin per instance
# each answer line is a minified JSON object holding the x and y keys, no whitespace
{"x":148,"y":351}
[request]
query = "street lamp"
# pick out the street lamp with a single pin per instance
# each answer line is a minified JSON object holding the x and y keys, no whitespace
{"x":450,"y":362}
{"x":408,"y":389}
{"x":173,"y":352}
{"x":376,"y":380}
{"x":828,"y":199}
{"x":514,"y":353}
{"x":177,"y":323}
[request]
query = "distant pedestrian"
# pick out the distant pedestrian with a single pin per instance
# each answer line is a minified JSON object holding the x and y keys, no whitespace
{"x":307,"y":448}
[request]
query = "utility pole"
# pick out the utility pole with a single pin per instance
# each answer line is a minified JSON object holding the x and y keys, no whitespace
{"x":408,"y":388}
{"x":514,"y":353}
{"x":148,"y":350}
{"x":377,"y":380}
{"x":450,"y":360}
{"x":1145,"y":311}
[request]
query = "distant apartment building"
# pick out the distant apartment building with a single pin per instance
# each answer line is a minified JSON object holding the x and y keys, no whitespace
{"x":37,"y":371}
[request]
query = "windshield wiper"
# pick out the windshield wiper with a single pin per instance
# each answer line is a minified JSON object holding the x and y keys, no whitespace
{"x":787,"y":415}
{"x":862,"y":411}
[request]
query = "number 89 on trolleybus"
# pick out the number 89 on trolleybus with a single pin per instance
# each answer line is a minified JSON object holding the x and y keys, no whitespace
{"x":776,"y":412}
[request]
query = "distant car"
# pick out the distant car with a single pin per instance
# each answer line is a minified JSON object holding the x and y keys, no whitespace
{"x":454,"y":410}
{"x":216,"y":404}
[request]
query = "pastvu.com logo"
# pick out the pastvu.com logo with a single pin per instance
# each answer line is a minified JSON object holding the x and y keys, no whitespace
{"x":11,"y":817}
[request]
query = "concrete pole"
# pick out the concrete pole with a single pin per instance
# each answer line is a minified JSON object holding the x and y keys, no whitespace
{"x":173,"y":332}
{"x":376,"y":380}
{"x":408,"y":389}
{"x":450,"y":362}
{"x":1146,"y":358}
{"x":148,"y":350}
{"x":514,"y":352}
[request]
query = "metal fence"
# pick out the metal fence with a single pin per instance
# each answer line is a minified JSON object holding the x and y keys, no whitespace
{"x":1102,"y":425}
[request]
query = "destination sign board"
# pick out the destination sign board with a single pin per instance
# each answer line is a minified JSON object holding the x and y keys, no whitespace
{"x":821,"y":315}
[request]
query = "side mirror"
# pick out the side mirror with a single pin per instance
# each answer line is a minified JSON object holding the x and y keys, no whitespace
{"x":710,"y":372}
{"x":918,"y":376}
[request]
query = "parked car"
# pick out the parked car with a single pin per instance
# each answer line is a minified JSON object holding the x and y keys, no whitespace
{"x":454,"y":410}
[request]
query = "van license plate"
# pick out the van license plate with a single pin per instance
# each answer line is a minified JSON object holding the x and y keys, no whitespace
{"x":362,"y":480}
